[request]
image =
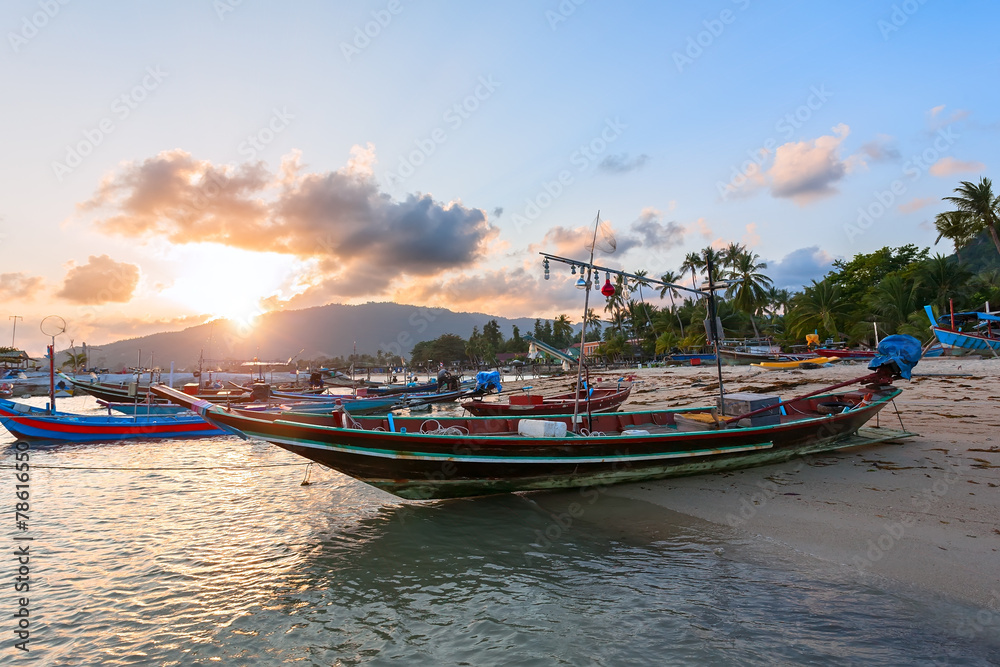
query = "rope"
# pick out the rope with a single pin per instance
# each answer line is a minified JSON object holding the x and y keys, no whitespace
{"x":450,"y":430}
{"x":592,"y":434}
{"x":269,"y":465}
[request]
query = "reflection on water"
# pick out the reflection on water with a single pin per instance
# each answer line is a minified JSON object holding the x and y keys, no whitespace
{"x":168,"y":564}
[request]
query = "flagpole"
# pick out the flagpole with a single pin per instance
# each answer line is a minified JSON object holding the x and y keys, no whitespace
{"x":583,"y":331}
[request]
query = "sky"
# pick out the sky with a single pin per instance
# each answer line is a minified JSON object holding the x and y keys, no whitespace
{"x":164,"y":164}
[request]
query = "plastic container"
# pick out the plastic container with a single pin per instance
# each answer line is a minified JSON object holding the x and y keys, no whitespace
{"x":635,"y":431}
{"x":540,"y":428}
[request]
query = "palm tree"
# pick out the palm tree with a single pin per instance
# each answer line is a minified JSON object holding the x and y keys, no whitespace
{"x":667,"y":290}
{"x":716,"y":258}
{"x":731,"y":253}
{"x":777,"y":300}
{"x":820,"y":307}
{"x":942,"y":278}
{"x":637,"y":284}
{"x":978,"y":201}
{"x":593,"y":320}
{"x":956,"y":226}
{"x":562,"y":331}
{"x":895,"y":300}
{"x":693,"y":263}
{"x":749,"y":292}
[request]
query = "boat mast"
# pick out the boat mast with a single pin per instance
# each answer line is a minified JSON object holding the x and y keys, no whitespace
{"x":583,"y":330}
{"x":713,"y":329}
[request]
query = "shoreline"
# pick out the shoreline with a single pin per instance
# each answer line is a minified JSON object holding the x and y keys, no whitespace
{"x":924,"y":513}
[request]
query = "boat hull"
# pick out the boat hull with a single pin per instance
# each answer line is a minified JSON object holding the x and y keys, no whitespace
{"x":964,"y":341}
{"x":28,"y":423}
{"x":845,"y":354}
{"x":606,"y":401}
{"x":492,"y":458}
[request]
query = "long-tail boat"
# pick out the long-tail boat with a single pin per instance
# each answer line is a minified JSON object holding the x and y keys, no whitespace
{"x":593,"y":400}
{"x":120,"y":393}
{"x":30,"y":423}
{"x":973,"y":331}
{"x":445,"y":458}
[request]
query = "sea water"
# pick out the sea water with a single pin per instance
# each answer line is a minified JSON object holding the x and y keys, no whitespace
{"x":201,"y":551}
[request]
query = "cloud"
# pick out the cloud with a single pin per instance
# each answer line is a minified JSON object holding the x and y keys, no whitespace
{"x":881,"y":149}
{"x":564,"y":241}
{"x":653,"y":234}
{"x":805,"y":171}
{"x":751,"y":238}
{"x":936,"y":120}
{"x":621,"y":164}
{"x":100,"y":280}
{"x":339,"y":217}
{"x":18,"y":286}
{"x":647,"y":232}
{"x":702,"y":228}
{"x":799,"y":268}
{"x":949,"y":166}
{"x":916,"y":204}
{"x":498,"y":211}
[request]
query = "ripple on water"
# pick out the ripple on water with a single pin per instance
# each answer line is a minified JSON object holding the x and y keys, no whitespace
{"x":247,"y":566}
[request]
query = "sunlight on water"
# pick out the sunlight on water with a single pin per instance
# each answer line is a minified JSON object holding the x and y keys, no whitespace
{"x":170,"y":563}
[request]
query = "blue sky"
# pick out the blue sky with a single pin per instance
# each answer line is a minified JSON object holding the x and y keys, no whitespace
{"x":165,"y":163}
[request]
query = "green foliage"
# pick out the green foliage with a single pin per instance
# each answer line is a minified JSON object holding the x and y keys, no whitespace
{"x":447,"y":348}
{"x":857,"y":276}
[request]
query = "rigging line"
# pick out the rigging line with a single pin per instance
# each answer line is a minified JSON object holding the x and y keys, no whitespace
{"x":271,"y":465}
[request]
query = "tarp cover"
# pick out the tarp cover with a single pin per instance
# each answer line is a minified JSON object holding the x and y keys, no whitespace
{"x":900,"y":351}
{"x":486,"y":380}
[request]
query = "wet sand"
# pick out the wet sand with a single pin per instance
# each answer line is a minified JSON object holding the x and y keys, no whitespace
{"x":924,"y":513}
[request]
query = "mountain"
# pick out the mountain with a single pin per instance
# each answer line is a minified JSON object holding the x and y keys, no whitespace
{"x":325,"y":331}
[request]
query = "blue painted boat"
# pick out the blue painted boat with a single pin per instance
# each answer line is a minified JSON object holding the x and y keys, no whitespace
{"x":973,"y":331}
{"x":142,"y":408}
{"x":30,"y":423}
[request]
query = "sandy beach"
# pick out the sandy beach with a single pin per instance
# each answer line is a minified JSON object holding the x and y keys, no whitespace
{"x":924,"y":512}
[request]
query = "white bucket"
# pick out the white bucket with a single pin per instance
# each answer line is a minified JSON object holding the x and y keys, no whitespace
{"x":539,"y":428}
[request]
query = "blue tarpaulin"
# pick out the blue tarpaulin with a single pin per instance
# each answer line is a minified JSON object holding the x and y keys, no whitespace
{"x":486,"y":380}
{"x":902,"y":352}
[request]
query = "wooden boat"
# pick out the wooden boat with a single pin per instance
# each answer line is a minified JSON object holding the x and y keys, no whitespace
{"x":30,"y":423}
{"x":969,"y":331}
{"x":119,"y":393}
{"x":693,"y":359}
{"x":143,"y":408}
{"x":528,"y":405}
{"x":755,"y":351}
{"x":412,"y":388}
{"x":842,"y":353}
{"x":445,"y":458}
{"x":807,"y":362}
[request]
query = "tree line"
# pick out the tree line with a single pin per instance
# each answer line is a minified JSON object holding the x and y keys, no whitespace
{"x":872,"y":294}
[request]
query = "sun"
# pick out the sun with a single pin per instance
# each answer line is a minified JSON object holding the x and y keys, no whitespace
{"x":231,"y":283}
